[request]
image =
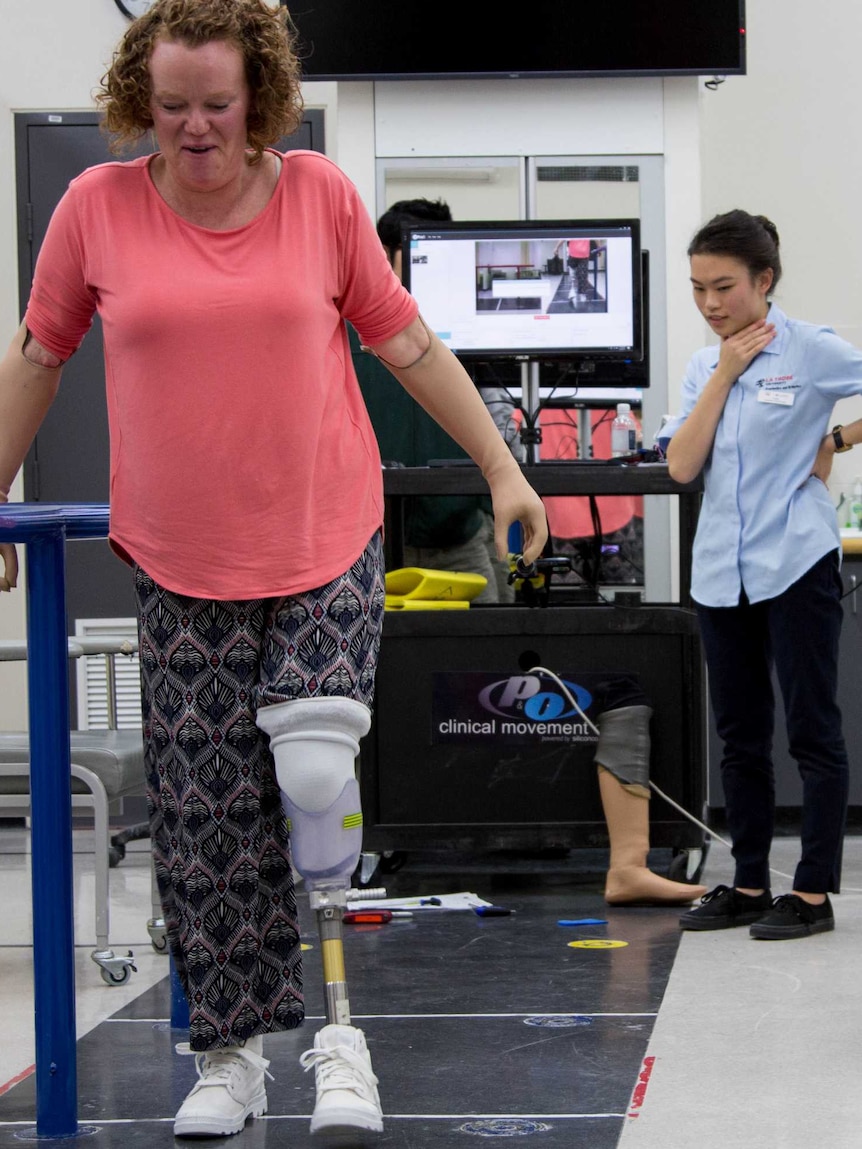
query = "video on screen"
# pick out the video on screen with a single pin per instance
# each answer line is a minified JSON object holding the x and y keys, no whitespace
{"x":526,"y":289}
{"x":569,"y":275}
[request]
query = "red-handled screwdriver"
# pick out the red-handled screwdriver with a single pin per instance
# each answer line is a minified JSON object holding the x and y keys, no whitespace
{"x":367,"y":917}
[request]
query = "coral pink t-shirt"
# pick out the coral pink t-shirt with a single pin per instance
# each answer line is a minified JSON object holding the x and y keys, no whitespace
{"x":243,"y":461}
{"x":579,"y":248}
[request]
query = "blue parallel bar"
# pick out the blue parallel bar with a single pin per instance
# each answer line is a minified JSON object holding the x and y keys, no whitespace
{"x":51,"y":839}
{"x":44,"y":528}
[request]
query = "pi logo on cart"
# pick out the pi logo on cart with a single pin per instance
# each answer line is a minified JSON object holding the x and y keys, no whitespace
{"x":534,"y":696}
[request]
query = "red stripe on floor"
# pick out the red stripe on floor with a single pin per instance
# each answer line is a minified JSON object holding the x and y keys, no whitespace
{"x":16,"y":1080}
{"x":640,"y":1089}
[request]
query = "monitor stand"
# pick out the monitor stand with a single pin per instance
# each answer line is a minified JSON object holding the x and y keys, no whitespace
{"x":531,"y":400}
{"x":531,"y":435}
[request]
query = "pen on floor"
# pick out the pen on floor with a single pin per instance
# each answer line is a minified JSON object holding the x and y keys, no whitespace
{"x":371,"y":917}
{"x":491,"y":911}
{"x":395,"y":913}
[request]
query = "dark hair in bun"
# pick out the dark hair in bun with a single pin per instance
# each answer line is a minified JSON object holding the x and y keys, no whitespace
{"x":752,"y":239}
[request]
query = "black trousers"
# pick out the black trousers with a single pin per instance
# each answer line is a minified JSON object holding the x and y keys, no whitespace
{"x":797,"y":633}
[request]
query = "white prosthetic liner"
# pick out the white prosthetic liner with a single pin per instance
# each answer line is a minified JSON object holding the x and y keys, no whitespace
{"x":314,"y":742}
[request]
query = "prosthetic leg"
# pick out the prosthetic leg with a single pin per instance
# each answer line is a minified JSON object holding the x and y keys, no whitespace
{"x":314,"y":742}
{"x":622,"y":758}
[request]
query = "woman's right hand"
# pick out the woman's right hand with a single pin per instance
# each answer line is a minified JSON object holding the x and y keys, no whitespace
{"x":738,"y":350}
{"x":9,"y":577}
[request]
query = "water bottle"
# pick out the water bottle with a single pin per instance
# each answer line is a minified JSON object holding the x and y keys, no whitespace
{"x":624,"y":432}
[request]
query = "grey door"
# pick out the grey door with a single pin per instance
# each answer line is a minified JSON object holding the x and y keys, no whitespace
{"x":69,"y":460}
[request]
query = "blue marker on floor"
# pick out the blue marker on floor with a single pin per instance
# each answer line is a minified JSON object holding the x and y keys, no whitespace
{"x":582,"y":922}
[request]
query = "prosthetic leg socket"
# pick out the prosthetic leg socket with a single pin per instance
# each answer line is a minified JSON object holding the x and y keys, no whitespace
{"x":624,"y":745}
{"x":314,"y":742}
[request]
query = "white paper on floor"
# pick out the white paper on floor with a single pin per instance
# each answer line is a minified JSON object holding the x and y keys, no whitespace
{"x":460,"y":901}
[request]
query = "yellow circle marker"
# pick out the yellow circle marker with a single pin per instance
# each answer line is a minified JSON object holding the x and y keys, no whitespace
{"x":305,"y":946}
{"x":596,"y":944}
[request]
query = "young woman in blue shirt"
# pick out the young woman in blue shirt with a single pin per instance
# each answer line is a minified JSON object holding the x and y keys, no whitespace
{"x":755,"y":419}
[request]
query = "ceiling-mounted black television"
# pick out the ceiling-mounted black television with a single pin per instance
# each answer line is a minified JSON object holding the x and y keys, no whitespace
{"x":549,"y":290}
{"x":390,"y":40}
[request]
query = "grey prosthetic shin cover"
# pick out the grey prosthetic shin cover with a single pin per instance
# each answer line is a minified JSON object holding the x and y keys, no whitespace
{"x":314,"y":742}
{"x":624,"y":744}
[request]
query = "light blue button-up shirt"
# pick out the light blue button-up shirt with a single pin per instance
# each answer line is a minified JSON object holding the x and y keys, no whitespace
{"x":765,"y":520}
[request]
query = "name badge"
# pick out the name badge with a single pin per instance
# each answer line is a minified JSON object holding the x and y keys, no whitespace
{"x":783,"y":398}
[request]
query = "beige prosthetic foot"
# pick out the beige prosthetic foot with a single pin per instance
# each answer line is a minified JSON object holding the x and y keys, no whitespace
{"x":629,"y":881}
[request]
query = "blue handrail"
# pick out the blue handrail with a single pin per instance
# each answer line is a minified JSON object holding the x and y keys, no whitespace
{"x":45,"y":528}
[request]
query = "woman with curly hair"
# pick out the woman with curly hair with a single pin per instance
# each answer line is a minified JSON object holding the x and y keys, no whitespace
{"x":246,"y":494}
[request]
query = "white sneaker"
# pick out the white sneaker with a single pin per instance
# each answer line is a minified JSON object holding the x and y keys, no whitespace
{"x":230,"y":1088}
{"x":346,"y":1085}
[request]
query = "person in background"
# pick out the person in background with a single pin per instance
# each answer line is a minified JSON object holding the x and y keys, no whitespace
{"x":578,"y":266}
{"x":754,"y":420}
{"x":246,"y":497}
{"x":603,"y":535}
{"x":623,"y":712}
{"x":623,"y":715}
{"x":441,"y":532}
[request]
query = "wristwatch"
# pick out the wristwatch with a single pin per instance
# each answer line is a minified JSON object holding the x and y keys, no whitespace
{"x":840,"y":445}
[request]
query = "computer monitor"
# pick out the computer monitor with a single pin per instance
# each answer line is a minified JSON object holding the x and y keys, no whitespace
{"x":549,"y":290}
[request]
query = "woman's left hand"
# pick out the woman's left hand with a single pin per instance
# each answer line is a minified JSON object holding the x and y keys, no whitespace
{"x":9,"y":573}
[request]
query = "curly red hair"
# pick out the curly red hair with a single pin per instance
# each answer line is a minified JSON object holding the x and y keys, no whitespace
{"x":263,"y":34}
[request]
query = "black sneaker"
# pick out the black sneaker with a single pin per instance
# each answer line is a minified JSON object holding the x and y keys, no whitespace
{"x":723,"y":908}
{"x":793,"y":917}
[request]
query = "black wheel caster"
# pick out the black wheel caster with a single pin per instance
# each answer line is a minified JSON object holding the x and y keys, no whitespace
{"x":391,"y":861}
{"x":687,"y":865}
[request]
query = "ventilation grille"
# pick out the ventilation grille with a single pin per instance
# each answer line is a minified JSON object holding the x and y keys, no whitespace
{"x":92,"y":677}
{"x":611,"y":174}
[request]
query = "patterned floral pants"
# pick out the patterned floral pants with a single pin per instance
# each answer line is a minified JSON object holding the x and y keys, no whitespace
{"x":219,"y":836}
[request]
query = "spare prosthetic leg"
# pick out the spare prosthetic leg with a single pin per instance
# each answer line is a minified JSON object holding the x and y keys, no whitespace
{"x":622,"y":757}
{"x":314,"y":742}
